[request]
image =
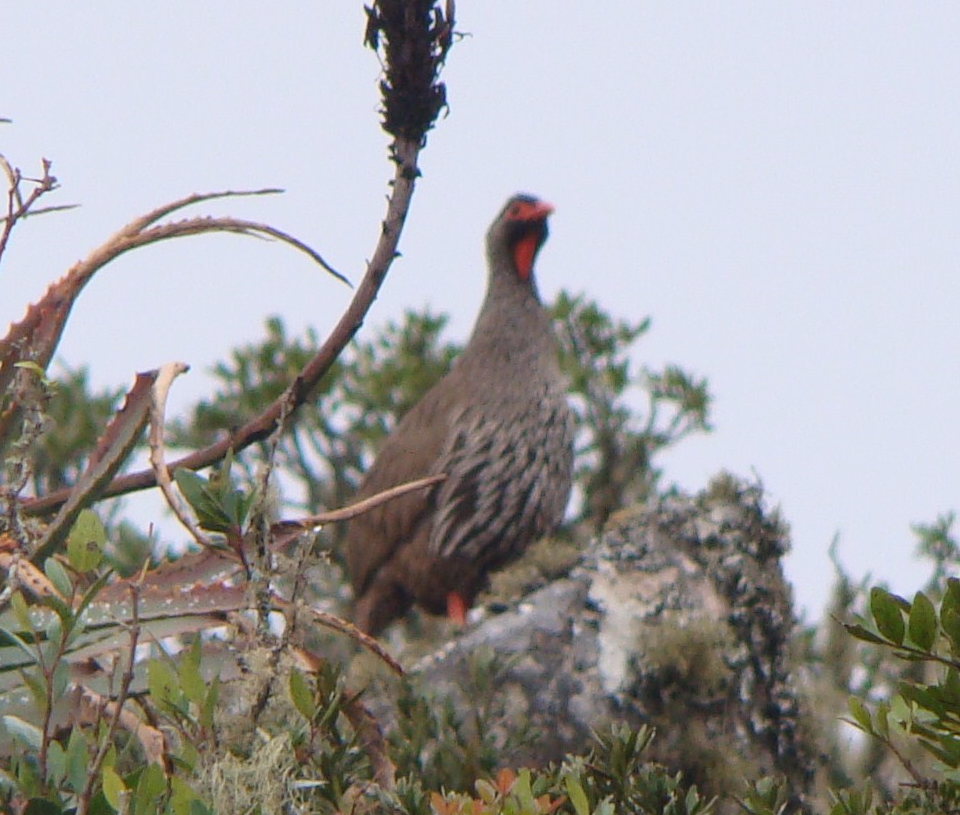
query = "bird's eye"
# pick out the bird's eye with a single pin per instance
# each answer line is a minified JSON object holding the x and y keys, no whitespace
{"x":515,"y":211}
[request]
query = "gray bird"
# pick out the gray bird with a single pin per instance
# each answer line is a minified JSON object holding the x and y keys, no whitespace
{"x":498,"y":424}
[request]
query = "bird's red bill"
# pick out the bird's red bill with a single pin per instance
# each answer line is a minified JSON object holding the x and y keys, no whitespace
{"x":523,"y":253}
{"x":456,"y":608}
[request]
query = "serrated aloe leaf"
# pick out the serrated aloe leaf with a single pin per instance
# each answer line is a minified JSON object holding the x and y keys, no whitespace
{"x":112,"y":450}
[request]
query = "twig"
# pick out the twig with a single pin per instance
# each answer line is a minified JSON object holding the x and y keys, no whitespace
{"x":360,"y":507}
{"x":372,"y":742}
{"x":17,"y":205}
{"x":106,"y":740}
{"x":336,"y":623}
{"x":91,"y":705}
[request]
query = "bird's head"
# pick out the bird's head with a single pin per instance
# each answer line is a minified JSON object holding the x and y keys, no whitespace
{"x":517,"y":234}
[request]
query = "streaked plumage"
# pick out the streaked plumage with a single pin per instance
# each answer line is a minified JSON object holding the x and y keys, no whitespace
{"x":497,"y":424}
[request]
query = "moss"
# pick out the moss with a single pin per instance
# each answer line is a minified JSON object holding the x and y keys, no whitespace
{"x":546,"y":560}
{"x":688,"y":652}
{"x":230,"y":782}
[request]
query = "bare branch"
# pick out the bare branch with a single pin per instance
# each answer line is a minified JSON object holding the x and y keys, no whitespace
{"x":17,"y":206}
{"x":336,"y":623}
{"x":352,"y":510}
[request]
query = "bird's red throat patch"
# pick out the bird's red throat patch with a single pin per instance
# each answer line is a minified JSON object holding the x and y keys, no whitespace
{"x":523,"y":252}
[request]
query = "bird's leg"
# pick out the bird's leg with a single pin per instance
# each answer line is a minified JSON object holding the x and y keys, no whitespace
{"x":457,"y":608}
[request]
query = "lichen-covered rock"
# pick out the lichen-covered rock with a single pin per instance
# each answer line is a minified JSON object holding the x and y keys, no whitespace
{"x":678,"y":616}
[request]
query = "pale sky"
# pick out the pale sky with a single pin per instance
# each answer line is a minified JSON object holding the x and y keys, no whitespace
{"x":777,"y":184}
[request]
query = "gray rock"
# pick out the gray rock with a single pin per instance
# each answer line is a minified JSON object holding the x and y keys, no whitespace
{"x":677,"y":616}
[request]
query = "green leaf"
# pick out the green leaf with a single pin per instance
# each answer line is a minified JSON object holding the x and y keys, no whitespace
{"x":21,"y":610}
{"x":865,"y":634}
{"x":61,"y":676}
{"x":161,"y":682}
{"x":521,"y":789}
{"x":887,"y":615}
{"x":861,"y":716}
{"x":924,"y":697}
{"x":77,"y":756}
{"x":16,"y":640}
{"x":29,"y":735}
{"x":85,"y":541}
{"x":30,"y":365}
{"x":950,"y":621}
{"x":41,"y":806}
{"x":113,"y":787}
{"x":150,"y":787}
{"x":577,"y":796}
{"x":191,"y":682}
{"x":202,"y":496}
{"x":880,"y":720}
{"x":210,"y":704}
{"x":951,"y":688}
{"x":91,"y":593}
{"x":56,"y":763}
{"x":302,"y":695}
{"x":182,"y":796}
{"x":922,"y":622}
{"x":58,"y":576}
{"x":951,"y":596}
{"x":54,"y":632}
{"x":37,"y":686}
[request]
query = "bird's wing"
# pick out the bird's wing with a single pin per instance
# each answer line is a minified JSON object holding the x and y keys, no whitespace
{"x":410,"y":452}
{"x":507,"y":484}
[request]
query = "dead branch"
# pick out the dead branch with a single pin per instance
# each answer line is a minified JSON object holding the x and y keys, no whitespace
{"x":353,"y":510}
{"x":19,"y":207}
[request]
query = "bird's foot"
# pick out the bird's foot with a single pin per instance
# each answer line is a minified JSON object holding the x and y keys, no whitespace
{"x":456,"y":608}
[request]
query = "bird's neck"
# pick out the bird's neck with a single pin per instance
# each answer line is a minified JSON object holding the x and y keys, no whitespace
{"x":512,"y":324}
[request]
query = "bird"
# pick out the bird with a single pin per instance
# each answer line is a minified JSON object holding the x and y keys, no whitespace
{"x":499,"y":427}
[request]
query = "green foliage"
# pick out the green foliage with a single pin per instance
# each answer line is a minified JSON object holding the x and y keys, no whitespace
{"x":327,"y":748}
{"x":937,"y":543}
{"x":613,"y":778}
{"x":924,"y":710}
{"x":65,"y":751}
{"x":617,"y":443}
{"x":220,"y":504}
{"x":615,"y":774}
{"x":431,"y":743}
